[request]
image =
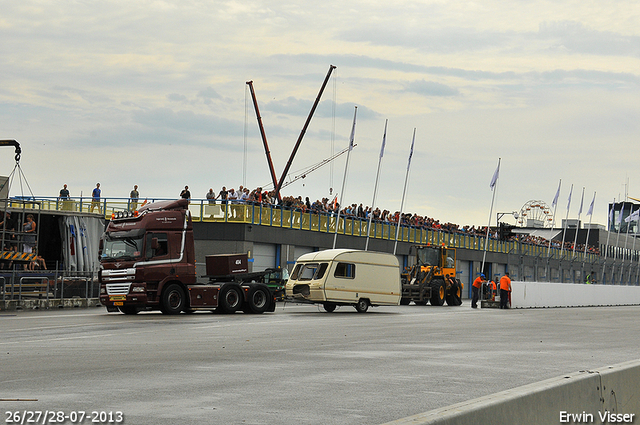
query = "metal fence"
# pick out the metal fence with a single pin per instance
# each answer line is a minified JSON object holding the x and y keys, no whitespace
{"x":267,"y":215}
{"x":573,"y":268}
{"x":21,"y":286}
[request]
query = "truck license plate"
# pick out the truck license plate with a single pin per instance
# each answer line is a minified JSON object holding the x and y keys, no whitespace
{"x":118,"y":303}
{"x":117,"y":298}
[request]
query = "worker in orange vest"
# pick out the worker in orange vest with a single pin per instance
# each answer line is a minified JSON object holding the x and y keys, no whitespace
{"x":475,"y":290}
{"x":492,"y":286}
{"x":505,"y":290}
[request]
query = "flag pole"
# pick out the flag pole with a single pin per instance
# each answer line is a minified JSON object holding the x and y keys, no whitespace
{"x":406,"y":178}
{"x":344,"y":178}
{"x":492,"y":185}
{"x":375,"y":186}
{"x":615,"y":251}
{"x":606,"y":247}
{"x":590,"y":214}
{"x":626,"y":240}
{"x":564,"y":228}
{"x":575,"y":240}
{"x":554,"y":204}
{"x":633,"y":249}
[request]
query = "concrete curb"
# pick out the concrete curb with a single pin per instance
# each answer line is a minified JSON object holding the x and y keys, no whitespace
{"x":612,"y":390}
{"x":43,"y":304}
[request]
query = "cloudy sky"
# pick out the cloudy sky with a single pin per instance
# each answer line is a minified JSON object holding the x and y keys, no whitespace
{"x":154,"y":93}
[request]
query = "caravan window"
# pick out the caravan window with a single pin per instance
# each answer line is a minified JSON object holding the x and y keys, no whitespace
{"x":309,"y":271}
{"x":345,"y":270}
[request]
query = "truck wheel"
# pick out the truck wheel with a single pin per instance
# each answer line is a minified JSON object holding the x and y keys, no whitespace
{"x":362,"y":306}
{"x":230,"y":298}
{"x":437,"y":292}
{"x":129,"y":309}
{"x":173,"y":299}
{"x":329,"y":307}
{"x":258,"y":299}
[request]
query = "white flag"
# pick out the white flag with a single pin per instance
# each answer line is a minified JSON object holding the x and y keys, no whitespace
{"x":590,"y":212}
{"x":581,"y":202}
{"x":353,"y":129}
{"x":384,"y":139}
{"x":569,"y":204}
{"x":494,"y":179}
{"x":620,"y":214}
{"x":611,"y":211}
{"x":633,"y":217}
{"x":555,"y":198}
{"x":411,"y":151}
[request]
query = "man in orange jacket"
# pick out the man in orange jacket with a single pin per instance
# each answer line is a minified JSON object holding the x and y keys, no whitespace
{"x":505,"y":290}
{"x":475,"y":290}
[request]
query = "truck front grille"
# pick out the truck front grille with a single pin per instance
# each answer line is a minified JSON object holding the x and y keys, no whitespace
{"x":118,"y":288}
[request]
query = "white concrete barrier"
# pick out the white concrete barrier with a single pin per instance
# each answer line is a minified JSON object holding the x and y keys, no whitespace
{"x":603,"y":396}
{"x":544,"y":294}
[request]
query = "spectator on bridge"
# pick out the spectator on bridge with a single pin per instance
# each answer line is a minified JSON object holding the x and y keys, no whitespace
{"x":185,"y":194}
{"x":134,"y":196}
{"x":223,"y":195}
{"x":232,"y":196}
{"x":95,"y":198}
{"x":211,"y":196}
{"x":64,"y":194}
{"x":244,"y":197}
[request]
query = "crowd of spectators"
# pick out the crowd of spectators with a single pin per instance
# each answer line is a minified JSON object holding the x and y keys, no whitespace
{"x":358,"y":211}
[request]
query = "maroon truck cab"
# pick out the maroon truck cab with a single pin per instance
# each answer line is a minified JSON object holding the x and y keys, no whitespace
{"x":147,"y":262}
{"x":143,"y":253}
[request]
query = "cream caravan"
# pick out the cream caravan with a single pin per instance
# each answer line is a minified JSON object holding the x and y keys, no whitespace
{"x":346,"y":277}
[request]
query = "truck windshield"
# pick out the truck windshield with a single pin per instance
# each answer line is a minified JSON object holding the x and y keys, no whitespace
{"x":428,"y":256}
{"x":122,"y":248}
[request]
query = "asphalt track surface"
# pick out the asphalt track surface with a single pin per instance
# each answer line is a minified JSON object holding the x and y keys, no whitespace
{"x":299,"y":365}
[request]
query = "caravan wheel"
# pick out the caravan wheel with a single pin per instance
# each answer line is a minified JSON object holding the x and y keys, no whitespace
{"x":362,"y":306}
{"x":329,"y":307}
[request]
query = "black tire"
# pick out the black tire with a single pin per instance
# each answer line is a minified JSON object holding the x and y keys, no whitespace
{"x":173,"y":299}
{"x":329,"y":307}
{"x":458,"y":293}
{"x":362,"y":305}
{"x":230,"y":298}
{"x":437,"y":292}
{"x":129,"y":309}
{"x":405,"y":301}
{"x":258,"y":299}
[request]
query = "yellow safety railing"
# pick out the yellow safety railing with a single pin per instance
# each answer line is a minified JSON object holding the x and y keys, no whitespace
{"x":267,"y":215}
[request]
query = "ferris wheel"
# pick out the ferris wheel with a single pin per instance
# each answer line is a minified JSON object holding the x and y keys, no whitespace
{"x":535,"y":214}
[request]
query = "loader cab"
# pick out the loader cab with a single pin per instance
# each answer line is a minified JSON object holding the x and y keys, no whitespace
{"x":428,"y":256}
{"x":439,"y":256}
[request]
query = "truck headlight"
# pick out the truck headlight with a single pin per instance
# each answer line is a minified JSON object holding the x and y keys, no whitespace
{"x":138,"y":289}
